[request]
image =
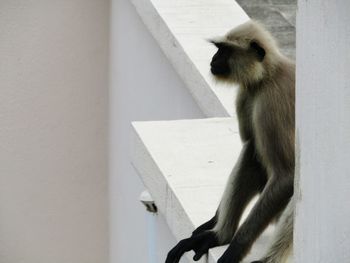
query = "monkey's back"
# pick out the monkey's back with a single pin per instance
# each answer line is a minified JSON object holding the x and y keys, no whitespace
{"x":267,"y":117}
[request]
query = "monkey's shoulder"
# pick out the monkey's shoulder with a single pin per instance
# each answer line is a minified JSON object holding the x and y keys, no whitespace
{"x":244,"y":106}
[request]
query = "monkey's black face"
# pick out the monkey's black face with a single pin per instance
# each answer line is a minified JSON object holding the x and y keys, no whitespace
{"x":235,"y":64}
{"x":219,"y":64}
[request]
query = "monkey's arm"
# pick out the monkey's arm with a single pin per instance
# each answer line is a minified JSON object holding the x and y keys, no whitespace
{"x":246,"y":180}
{"x":206,"y":226}
{"x":274,"y":198}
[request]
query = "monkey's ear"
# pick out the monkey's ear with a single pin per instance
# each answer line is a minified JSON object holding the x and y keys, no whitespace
{"x":258,"y":50}
{"x":217,"y":43}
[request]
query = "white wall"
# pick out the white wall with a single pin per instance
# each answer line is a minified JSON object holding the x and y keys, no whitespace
{"x":323,"y":125}
{"x":53,"y":130}
{"x":144,"y":86}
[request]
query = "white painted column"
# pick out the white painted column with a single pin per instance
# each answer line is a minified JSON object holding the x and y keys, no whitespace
{"x":322,"y":231}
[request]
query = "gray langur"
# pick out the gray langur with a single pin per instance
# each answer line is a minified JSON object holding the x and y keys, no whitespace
{"x":249,"y":57}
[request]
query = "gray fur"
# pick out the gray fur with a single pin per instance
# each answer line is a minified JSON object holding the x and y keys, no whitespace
{"x":265,"y":110}
{"x":282,"y":244}
{"x":234,"y":201}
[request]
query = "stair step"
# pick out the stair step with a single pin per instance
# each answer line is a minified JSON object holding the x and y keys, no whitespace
{"x":181,"y":28}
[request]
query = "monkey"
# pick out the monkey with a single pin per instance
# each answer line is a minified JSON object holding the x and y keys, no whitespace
{"x":248,"y":55}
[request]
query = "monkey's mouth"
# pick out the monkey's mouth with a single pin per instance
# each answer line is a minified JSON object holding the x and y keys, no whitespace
{"x":220,"y":71}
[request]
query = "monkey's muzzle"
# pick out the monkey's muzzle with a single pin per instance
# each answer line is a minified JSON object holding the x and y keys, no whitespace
{"x":219,"y":70}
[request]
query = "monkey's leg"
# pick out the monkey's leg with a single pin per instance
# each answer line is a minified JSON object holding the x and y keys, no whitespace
{"x":274,"y":198}
{"x":245,"y":181}
{"x":282,"y":243}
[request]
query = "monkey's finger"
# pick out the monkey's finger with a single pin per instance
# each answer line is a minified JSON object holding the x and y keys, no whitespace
{"x":173,"y":257}
{"x":176,"y":253}
{"x":208,"y":241}
{"x":200,"y":252}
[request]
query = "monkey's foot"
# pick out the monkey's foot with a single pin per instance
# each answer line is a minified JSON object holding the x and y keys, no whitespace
{"x":228,"y":258}
{"x":200,"y":244}
{"x":234,"y":253}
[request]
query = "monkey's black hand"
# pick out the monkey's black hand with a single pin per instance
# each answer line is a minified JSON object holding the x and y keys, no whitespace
{"x":199,"y":243}
{"x":206,"y":226}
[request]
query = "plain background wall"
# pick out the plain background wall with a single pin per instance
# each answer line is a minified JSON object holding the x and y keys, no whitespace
{"x":322,"y":229}
{"x":53,"y":130}
{"x":144,"y":86}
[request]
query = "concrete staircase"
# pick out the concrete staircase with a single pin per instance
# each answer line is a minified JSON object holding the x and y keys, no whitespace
{"x":185,"y":163}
